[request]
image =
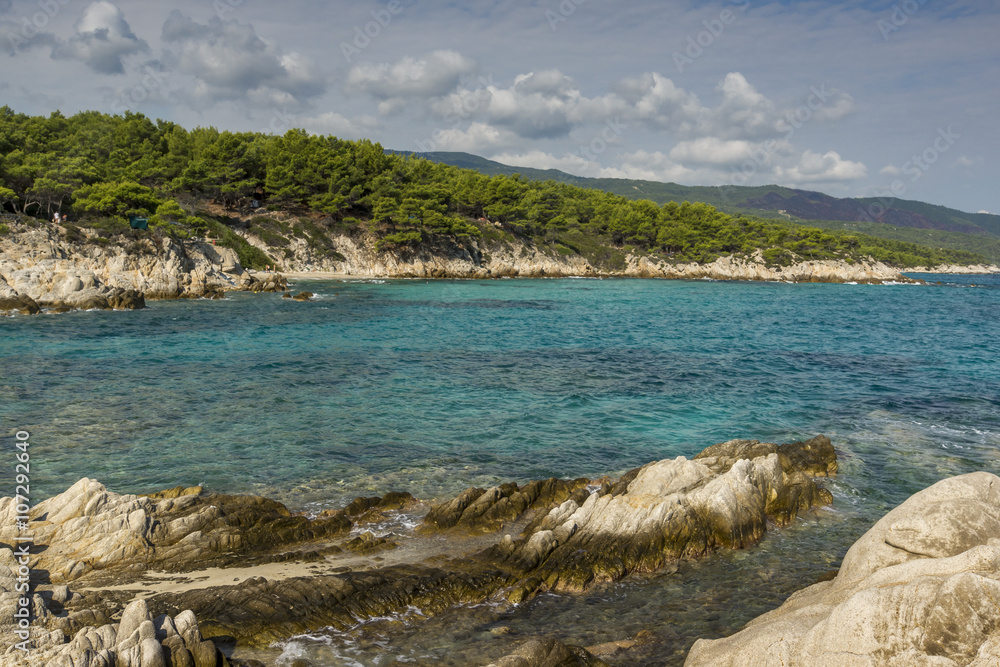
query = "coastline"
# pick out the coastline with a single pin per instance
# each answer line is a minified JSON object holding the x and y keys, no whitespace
{"x":42,"y":267}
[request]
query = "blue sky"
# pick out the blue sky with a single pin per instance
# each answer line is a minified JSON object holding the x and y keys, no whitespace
{"x":849,"y":98}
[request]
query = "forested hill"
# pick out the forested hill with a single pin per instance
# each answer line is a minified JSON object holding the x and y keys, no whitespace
{"x":888,"y":217}
{"x":103,"y":169}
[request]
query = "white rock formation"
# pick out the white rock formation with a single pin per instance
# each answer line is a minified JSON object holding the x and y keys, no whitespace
{"x":922,"y":587}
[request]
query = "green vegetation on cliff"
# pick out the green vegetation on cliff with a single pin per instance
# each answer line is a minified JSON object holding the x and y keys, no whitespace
{"x":102,"y":168}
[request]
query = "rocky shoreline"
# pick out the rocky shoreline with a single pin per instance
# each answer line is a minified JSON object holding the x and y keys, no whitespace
{"x":41,"y":269}
{"x":357,"y":256}
{"x":96,"y":550}
{"x":181,"y":577}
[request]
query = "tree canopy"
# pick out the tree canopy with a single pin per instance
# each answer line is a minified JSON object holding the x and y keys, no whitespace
{"x":113,"y":167}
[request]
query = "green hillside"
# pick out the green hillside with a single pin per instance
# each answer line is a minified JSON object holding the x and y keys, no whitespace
{"x":903,"y":220}
{"x":102,"y":170}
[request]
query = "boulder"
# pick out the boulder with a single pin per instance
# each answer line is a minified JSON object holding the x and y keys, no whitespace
{"x":126,"y":299}
{"x":548,"y":653}
{"x":922,"y":587}
{"x":11,"y":300}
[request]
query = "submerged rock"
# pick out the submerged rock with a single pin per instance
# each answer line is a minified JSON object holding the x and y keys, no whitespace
{"x":548,"y":653}
{"x":922,"y":587}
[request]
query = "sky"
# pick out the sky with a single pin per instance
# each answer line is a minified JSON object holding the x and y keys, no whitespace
{"x":855,"y":98}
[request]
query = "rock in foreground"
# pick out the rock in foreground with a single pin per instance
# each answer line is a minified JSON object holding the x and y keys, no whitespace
{"x":922,"y":587}
{"x":572,"y":536}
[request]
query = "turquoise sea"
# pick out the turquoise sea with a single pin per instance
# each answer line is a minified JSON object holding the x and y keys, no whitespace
{"x":434,"y":386}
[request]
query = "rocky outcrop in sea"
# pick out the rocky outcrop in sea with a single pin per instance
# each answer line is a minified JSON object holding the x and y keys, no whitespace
{"x":97,"y":548}
{"x":922,"y":587}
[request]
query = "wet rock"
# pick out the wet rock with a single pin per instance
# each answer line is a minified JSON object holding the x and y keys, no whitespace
{"x":303,"y":296}
{"x":488,"y":510}
{"x":175,"y":492}
{"x":920,"y":588}
{"x":126,"y":299}
{"x":263,"y":282}
{"x":548,"y":653}
{"x":20,"y":304}
{"x":577,"y":534}
{"x":89,"y":529}
{"x":666,"y":511}
{"x":369,"y":543}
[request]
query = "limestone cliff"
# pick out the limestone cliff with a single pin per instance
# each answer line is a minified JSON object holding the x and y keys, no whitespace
{"x":357,"y":255}
{"x":42,"y":267}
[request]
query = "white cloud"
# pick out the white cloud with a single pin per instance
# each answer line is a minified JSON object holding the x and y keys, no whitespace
{"x":570,"y":163}
{"x":478,"y":137}
{"x":230,"y":61}
{"x":548,"y":104}
{"x":890,"y":170}
{"x":744,"y":112}
{"x":103,"y":38}
{"x":965,"y":162}
{"x":815,"y":168}
{"x":715,"y":151}
{"x":433,"y":75}
{"x":840,"y":105}
{"x":339,"y":126}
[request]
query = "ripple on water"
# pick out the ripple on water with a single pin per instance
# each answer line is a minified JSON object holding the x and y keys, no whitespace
{"x":431,"y":387}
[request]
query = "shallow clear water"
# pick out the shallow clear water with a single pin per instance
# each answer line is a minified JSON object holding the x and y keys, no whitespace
{"x":434,"y":386}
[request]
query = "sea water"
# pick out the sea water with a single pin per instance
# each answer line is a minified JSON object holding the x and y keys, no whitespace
{"x":431,"y":387}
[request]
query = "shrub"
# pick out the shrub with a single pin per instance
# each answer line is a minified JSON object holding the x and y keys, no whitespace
{"x":778,"y":257}
{"x":398,"y":240}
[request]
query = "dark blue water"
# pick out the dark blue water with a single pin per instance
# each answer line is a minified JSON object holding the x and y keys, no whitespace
{"x":434,"y":386}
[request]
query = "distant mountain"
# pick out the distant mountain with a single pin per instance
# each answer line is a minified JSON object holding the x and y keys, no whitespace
{"x":772,"y":201}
